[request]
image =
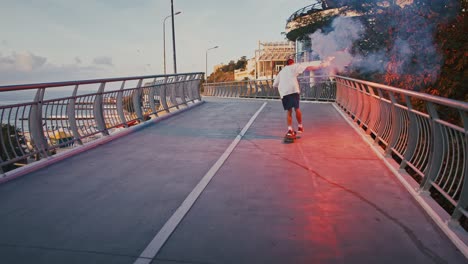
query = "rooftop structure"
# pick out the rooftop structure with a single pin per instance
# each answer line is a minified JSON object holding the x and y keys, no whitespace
{"x":269,"y":59}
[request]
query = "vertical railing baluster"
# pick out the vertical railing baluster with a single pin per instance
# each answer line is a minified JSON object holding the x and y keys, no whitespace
{"x":435,"y":151}
{"x":396,"y":125}
{"x":463,"y":200}
{"x":197,"y":88}
{"x":184,"y":87}
{"x":163,"y":96}
{"x":151,"y":94}
{"x":382,"y":117}
{"x":413,"y":133}
{"x":256,"y":89}
{"x":120,"y":108}
{"x":99,"y":111}
{"x":35,"y":124}
{"x":72,"y":116}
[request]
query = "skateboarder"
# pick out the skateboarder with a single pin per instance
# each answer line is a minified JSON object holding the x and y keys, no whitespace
{"x":289,"y":90}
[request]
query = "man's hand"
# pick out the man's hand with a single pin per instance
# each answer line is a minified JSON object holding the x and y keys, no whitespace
{"x":327,"y":62}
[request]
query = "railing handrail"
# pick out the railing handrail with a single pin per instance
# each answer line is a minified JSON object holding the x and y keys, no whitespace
{"x":424,"y":96}
{"x":258,"y":80}
{"x":89,"y":81}
{"x":44,"y":124}
{"x":241,"y":81}
{"x":461,"y":105}
{"x":300,"y":11}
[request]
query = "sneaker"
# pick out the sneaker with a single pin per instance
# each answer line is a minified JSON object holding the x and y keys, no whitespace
{"x":291,"y":133}
{"x":300,"y":129}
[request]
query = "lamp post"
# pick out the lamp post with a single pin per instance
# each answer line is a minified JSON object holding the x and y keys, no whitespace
{"x":164,"y":38}
{"x":206,"y":62}
{"x":173,"y":37}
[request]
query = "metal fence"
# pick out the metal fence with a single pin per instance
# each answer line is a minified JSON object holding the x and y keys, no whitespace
{"x":427,"y":135}
{"x":320,"y":88}
{"x":39,"y":120}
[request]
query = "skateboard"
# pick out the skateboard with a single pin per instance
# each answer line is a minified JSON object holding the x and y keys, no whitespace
{"x":290,"y":139}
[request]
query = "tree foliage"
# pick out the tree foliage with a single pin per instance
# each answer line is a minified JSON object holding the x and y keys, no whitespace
{"x":434,"y":34}
{"x":226,"y":72}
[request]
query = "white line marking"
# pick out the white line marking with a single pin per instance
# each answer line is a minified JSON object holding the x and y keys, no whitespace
{"x":431,"y":212}
{"x":161,"y":237}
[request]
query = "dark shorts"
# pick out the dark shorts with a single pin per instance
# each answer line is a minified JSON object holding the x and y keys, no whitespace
{"x":290,"y":101}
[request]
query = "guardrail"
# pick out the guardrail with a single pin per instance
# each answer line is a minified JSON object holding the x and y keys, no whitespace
{"x":427,"y":135}
{"x":39,"y":120}
{"x":320,"y":88}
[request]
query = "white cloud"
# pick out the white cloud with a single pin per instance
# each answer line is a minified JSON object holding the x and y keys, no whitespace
{"x":21,"y":68}
{"x":23,"y":62}
{"x":103,"y":60}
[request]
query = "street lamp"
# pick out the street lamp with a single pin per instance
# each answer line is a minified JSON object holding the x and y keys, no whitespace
{"x":206,"y":62}
{"x":173,"y":37}
{"x":164,"y":38}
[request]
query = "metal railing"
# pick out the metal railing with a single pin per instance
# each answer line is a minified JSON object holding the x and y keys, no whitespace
{"x":40,"y":120}
{"x":316,"y":7}
{"x":320,"y":88}
{"x":427,"y":135}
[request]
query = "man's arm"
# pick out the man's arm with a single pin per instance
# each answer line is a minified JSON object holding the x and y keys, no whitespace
{"x":315,"y":65}
{"x":276,"y":82}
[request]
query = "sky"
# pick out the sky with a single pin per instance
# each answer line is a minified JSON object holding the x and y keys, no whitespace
{"x":64,"y":40}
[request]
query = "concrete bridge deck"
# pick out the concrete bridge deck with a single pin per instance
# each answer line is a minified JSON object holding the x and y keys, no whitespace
{"x":325,"y":199}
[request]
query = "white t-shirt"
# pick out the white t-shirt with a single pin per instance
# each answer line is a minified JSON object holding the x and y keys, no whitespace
{"x":286,"y":81}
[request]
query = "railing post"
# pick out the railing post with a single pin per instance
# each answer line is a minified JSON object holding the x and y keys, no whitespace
{"x":120,"y":108}
{"x":230,"y":90}
{"x":382,"y":117}
{"x":197,"y":87}
{"x":173,"y":96}
{"x":250,"y":88}
{"x":396,"y":126}
{"x":218,"y":90}
{"x":99,"y":111}
{"x":72,"y":116}
{"x":35,"y":124}
{"x":269,"y":89}
{"x":151,"y":94}
{"x":413,"y":134}
{"x":359,"y":103}
{"x":190,"y":87}
{"x":339,"y":91}
{"x":435,"y":154}
{"x":367,"y":109}
{"x":463,"y":201}
{"x":256,"y":89}
{"x":184,"y":86}
{"x":163,"y":95}
{"x":137,"y":103}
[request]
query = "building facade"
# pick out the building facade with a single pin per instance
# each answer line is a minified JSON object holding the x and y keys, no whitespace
{"x":269,"y":59}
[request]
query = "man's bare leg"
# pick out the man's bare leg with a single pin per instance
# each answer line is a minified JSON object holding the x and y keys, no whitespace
{"x":298,"y":116}
{"x":289,"y":118}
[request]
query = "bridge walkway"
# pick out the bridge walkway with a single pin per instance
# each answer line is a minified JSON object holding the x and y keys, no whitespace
{"x":325,"y":199}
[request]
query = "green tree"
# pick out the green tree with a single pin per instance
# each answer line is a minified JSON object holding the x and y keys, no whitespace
{"x":241,"y":63}
{"x":226,"y":73}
